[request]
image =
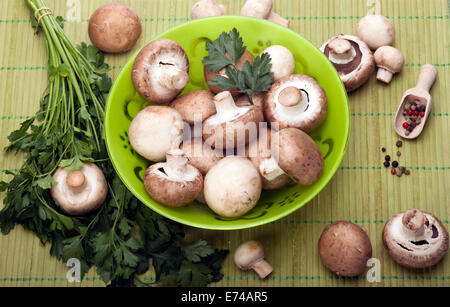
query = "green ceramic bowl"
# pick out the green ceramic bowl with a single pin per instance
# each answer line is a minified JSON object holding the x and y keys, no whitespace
{"x":124,"y":103}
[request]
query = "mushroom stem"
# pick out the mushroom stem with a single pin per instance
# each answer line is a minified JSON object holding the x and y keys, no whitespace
{"x":173,"y":78}
{"x":290,"y":97}
{"x":75,"y":179}
{"x":270,"y":169}
{"x":225,"y":105}
{"x":177,"y":163}
{"x":384,"y":75}
{"x":341,"y":51}
{"x":274,"y":17}
{"x":262,"y":268}
{"x":414,"y":221}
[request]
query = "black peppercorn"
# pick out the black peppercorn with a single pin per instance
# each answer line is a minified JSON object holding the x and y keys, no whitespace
{"x":387,"y":158}
{"x":386,"y":164}
{"x":395,"y":164}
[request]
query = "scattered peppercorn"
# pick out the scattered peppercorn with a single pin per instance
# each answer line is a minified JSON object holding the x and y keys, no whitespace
{"x":386,"y":164}
{"x":399,"y":153}
{"x":393,"y":171}
{"x":399,"y":143}
{"x":407,"y":172}
{"x":395,"y":164}
{"x":383,"y":149}
{"x":387,"y":158}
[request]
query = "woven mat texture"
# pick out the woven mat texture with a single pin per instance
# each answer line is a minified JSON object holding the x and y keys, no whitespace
{"x":362,"y":190}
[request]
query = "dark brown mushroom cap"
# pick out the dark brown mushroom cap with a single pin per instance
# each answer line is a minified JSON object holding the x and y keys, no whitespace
{"x":195,"y":106}
{"x":154,"y":59}
{"x":345,"y":248}
{"x":356,"y":72}
{"x":114,"y":28}
{"x":299,"y":156}
{"x":307,"y":115}
{"x":200,"y":155}
{"x":417,"y":249}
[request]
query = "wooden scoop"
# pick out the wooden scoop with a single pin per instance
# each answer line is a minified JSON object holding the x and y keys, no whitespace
{"x":420,"y":95}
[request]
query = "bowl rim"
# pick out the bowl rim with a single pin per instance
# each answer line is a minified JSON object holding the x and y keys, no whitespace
{"x":248,"y":224}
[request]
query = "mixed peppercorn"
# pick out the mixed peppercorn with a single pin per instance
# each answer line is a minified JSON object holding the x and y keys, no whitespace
{"x":414,"y":114}
{"x":396,"y":169}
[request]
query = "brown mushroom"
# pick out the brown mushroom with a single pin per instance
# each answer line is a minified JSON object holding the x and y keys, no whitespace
{"x":200,"y":155}
{"x":250,"y":255}
{"x":79,"y":192}
{"x":195,"y":106}
{"x":263,"y":9}
{"x":174,"y":183}
{"x":161,"y":71}
{"x":376,"y":31}
{"x":389,"y":61}
{"x":345,"y":248}
{"x":231,"y":126}
{"x":207,"y":8}
{"x":114,"y":28}
{"x":352,"y":59}
{"x":415,"y":239}
{"x":296,"y":101}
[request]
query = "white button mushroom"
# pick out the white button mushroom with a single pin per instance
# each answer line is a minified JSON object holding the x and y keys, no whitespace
{"x":352,"y":59}
{"x":79,"y":192}
{"x":161,"y":71}
{"x":263,"y":9}
{"x":415,"y":239}
{"x":231,"y":126}
{"x":175,"y":183}
{"x":232,"y":187}
{"x":195,"y":106}
{"x":154,"y":131}
{"x":296,"y":101}
{"x":389,"y":61}
{"x":250,"y":255}
{"x":376,"y":31}
{"x":207,"y":8}
{"x":200,"y":155}
{"x":283,"y":62}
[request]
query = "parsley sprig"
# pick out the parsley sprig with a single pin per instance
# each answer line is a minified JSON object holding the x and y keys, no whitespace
{"x":225,"y":52}
{"x":67,"y":131}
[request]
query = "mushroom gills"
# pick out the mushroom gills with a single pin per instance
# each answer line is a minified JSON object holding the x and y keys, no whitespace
{"x":353,"y":63}
{"x":292,"y":113}
{"x":177,"y":168}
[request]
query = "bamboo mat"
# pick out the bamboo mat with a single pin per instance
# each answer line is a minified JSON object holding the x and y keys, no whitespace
{"x":362,"y":190}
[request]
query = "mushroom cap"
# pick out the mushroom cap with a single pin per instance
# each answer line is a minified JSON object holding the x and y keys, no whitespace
{"x":226,"y":130}
{"x":389,"y":58}
{"x":232,"y":187}
{"x":114,"y":28}
{"x":417,"y":249}
{"x":173,"y":188}
{"x":257,"y":8}
{"x":209,"y":76}
{"x":376,"y":31}
{"x":79,"y":197}
{"x":160,"y":60}
{"x":261,"y":154}
{"x":299,"y":156}
{"x":154,"y":131}
{"x":357,"y":71}
{"x":195,"y":106}
{"x":200,"y":155}
{"x":207,"y":8}
{"x":307,"y":115}
{"x":345,"y":248}
{"x":283,"y":62}
{"x":248,"y":253}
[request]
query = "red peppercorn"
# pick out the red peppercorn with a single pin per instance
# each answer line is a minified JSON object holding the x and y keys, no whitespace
{"x":422,"y":114}
{"x":412,"y":119}
{"x":405,"y":125}
{"x":410,"y":112}
{"x":416,"y":113}
{"x":393,"y":171}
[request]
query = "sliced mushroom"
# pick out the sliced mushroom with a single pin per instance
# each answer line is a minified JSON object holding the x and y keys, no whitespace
{"x":200,"y":155}
{"x":282,"y":59}
{"x":232,"y":187}
{"x":296,"y":101}
{"x":299,"y":156}
{"x":79,"y":192}
{"x":195,"y":106}
{"x":345,"y":248}
{"x":415,"y":239}
{"x":154,"y":131}
{"x":231,"y":126}
{"x":207,"y":8}
{"x":352,"y":59}
{"x":263,"y":152}
{"x":175,"y":183}
{"x":250,"y":255}
{"x":263,"y":9}
{"x":161,"y":71}
{"x":376,"y":31}
{"x":389,"y":61}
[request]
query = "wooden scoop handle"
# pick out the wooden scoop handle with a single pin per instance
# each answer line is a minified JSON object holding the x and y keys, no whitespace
{"x":427,"y":77}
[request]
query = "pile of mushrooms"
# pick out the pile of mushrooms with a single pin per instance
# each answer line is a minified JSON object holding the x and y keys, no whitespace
{"x":353,"y":56}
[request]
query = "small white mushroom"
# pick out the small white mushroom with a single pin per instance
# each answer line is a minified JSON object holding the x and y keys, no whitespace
{"x":376,"y":31}
{"x":207,"y":8}
{"x":195,"y":106}
{"x":389,"y":61}
{"x":161,"y":71}
{"x":232,"y":187}
{"x":79,"y":192}
{"x":154,"y":131}
{"x":283,"y":62}
{"x":263,"y":9}
{"x":175,"y":183}
{"x":250,"y":255}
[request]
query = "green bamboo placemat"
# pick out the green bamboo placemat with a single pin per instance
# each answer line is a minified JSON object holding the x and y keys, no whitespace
{"x":362,"y":191}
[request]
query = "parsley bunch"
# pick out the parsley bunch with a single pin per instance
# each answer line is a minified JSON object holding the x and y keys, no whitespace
{"x":225,"y":52}
{"x":67,"y":131}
